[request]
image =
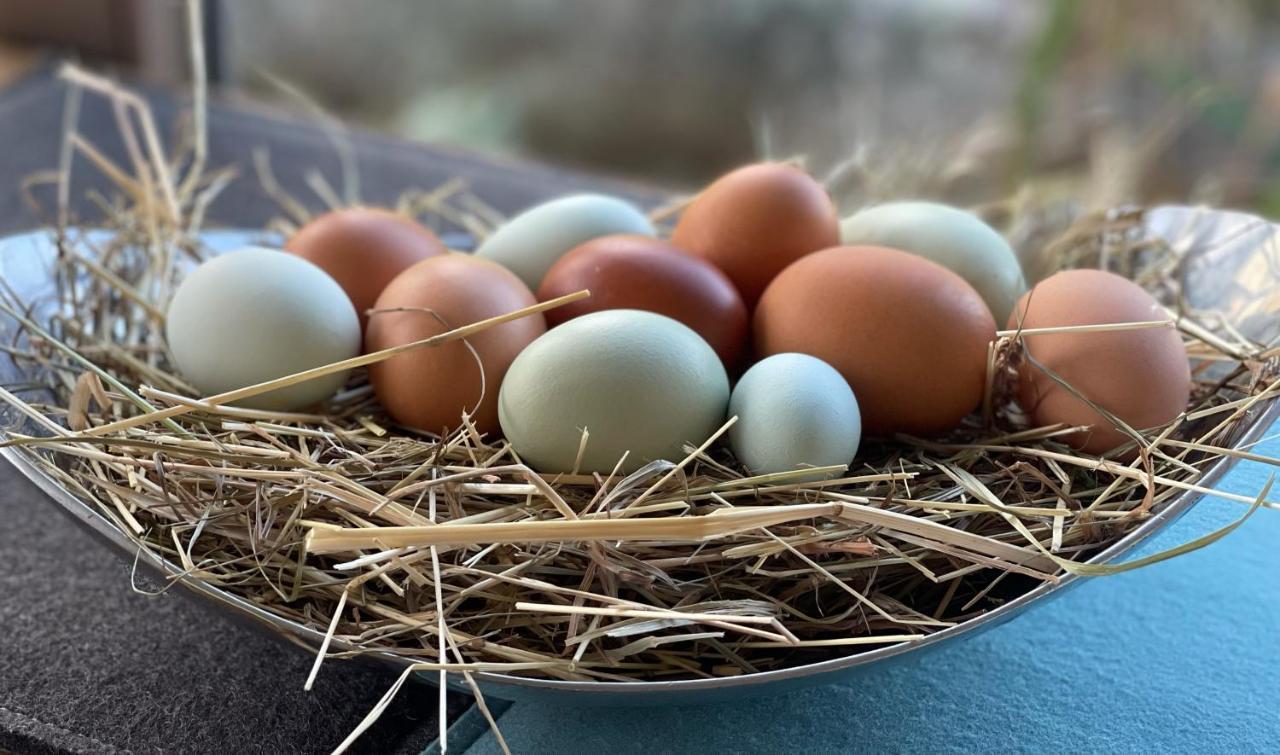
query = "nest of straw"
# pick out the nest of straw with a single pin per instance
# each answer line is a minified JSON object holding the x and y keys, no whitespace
{"x":450,"y":551}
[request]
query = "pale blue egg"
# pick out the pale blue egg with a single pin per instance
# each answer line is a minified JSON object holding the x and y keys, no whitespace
{"x":794,"y":411}
{"x":958,"y":240}
{"x":531,"y":242}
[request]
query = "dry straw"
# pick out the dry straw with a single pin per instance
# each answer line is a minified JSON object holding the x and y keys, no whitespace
{"x":453,"y":554}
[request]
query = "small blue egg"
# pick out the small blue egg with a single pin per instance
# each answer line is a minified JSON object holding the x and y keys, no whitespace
{"x":793,"y":410}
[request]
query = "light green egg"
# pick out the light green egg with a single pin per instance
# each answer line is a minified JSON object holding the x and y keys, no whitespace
{"x":637,"y":382}
{"x":956,"y":239}
{"x":531,"y":242}
{"x":793,"y":411}
{"x":257,"y":314}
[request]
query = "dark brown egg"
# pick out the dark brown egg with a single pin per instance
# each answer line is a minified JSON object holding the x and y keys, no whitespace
{"x":637,"y":272}
{"x":755,"y":221}
{"x":363,"y":249}
{"x":429,"y":388}
{"x":908,"y":335}
{"x":1141,"y":376}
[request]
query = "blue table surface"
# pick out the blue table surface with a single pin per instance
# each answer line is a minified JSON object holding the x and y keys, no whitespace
{"x":1181,"y":656}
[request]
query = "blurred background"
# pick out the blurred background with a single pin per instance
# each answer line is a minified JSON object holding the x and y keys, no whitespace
{"x":967,"y":100}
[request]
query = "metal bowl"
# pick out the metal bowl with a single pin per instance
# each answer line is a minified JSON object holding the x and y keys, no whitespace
{"x":1231,"y":265}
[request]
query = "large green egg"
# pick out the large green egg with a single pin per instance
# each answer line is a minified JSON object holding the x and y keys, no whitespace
{"x":637,"y":382}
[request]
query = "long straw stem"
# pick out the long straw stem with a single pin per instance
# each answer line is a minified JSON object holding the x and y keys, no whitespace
{"x":329,"y":369}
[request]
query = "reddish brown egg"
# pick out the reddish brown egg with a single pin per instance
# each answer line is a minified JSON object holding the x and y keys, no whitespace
{"x":1141,"y":376}
{"x":909,"y":335}
{"x":429,"y":388}
{"x":755,"y":221}
{"x":637,"y":272}
{"x":363,"y":249}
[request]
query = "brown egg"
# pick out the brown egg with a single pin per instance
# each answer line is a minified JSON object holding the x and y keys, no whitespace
{"x":364,"y":248}
{"x":429,"y":388}
{"x":909,"y":335}
{"x":1141,"y":376}
{"x":755,"y":221}
{"x":637,"y":272}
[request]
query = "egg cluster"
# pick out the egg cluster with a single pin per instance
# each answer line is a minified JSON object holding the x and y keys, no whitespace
{"x":762,"y":304}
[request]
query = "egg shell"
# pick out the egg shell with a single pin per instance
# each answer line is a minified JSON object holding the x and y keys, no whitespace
{"x":531,"y":242}
{"x":364,"y":248}
{"x":793,"y":410}
{"x":258,"y":314}
{"x":1141,"y":376}
{"x":753,"y":222}
{"x":638,"y":382}
{"x":637,"y":272}
{"x":958,"y":240}
{"x":908,"y":335}
{"x":430,"y":388}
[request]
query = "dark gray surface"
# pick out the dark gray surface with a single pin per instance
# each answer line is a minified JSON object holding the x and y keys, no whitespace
{"x":89,"y":665}
{"x":30,"y":122}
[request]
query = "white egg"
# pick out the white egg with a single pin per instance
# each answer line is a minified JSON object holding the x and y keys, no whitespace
{"x":958,"y":240}
{"x":636,"y":382}
{"x":793,"y":411}
{"x":531,"y":242}
{"x":257,"y":314}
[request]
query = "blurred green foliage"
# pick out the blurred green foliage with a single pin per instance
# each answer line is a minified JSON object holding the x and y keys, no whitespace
{"x":1156,"y":99}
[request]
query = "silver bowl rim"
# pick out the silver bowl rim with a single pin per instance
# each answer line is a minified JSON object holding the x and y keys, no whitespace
{"x":90,"y":517}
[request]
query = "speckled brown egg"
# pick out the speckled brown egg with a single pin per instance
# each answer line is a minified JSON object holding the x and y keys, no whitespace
{"x":429,"y":388}
{"x":909,"y":335}
{"x":637,"y":272}
{"x":1141,"y":376}
{"x":364,"y":248}
{"x":753,"y":222}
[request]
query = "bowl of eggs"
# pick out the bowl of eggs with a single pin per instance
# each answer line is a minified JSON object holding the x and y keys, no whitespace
{"x":619,"y":456}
